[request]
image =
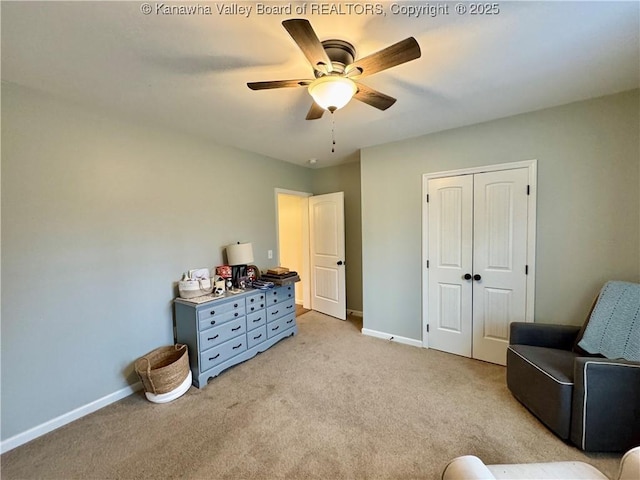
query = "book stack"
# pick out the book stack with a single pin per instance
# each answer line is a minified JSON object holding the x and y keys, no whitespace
{"x":280,"y":276}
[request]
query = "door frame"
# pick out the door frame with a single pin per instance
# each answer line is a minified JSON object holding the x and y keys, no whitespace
{"x":531,"y":165}
{"x":305,"y":276}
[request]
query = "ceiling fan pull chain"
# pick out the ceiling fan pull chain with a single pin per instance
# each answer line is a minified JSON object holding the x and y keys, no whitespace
{"x":333,"y":133}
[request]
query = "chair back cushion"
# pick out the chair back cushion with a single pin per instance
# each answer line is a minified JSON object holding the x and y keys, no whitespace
{"x":613,"y":329}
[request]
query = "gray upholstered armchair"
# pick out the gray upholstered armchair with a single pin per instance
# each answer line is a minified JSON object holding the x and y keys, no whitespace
{"x":584,"y":383}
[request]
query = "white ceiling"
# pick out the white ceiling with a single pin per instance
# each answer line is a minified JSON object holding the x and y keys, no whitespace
{"x":189,"y":72}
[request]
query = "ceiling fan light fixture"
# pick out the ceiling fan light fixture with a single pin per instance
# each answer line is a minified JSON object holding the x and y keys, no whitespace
{"x":332,"y":92}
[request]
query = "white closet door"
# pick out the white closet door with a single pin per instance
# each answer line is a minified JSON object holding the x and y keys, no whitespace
{"x":450,"y":258}
{"x":499,"y":260}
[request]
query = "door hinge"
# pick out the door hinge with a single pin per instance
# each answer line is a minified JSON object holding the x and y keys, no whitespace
{"x":427,"y":198}
{"x":427,"y":328}
{"x":427,"y":263}
{"x":526,"y":269}
{"x":528,"y":189}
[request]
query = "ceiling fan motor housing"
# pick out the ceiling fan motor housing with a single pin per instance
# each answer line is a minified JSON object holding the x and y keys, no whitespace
{"x":340,"y":53}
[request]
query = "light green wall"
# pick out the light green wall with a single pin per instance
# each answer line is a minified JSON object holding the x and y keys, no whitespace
{"x":99,"y":218}
{"x":588,"y":228}
{"x":346,"y":178}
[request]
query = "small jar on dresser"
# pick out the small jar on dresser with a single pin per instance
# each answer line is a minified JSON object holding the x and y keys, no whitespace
{"x":224,"y":331}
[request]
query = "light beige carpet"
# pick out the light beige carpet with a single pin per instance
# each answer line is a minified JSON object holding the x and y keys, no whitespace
{"x":328,"y":403}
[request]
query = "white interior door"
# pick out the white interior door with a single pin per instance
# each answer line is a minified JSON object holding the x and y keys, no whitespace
{"x":450,"y":259}
{"x":327,"y":258}
{"x":499,"y":260}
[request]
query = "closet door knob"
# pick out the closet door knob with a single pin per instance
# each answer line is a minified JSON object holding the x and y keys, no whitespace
{"x":477,"y":277}
{"x":340,"y":262}
{"x":467,"y":276}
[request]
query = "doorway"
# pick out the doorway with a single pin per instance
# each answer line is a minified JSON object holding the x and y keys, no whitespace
{"x":479,"y":244}
{"x":311,"y":241}
{"x":292,"y":218}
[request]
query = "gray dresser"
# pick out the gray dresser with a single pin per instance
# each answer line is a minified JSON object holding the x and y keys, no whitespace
{"x":222,"y":332}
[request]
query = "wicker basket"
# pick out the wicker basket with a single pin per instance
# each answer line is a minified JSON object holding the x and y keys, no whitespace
{"x":163,"y":369}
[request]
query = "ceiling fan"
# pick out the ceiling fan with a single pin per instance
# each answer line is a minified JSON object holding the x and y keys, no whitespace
{"x":337,"y":72}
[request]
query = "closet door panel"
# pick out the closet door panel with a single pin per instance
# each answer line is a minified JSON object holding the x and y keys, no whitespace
{"x":450,"y":252}
{"x":499,"y":260}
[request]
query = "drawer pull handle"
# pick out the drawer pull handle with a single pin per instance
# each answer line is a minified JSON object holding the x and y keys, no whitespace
{"x":237,"y":328}
{"x":261,"y":297}
{"x":275,"y":313}
{"x":253,"y":308}
{"x":235,"y":305}
{"x":290,"y":321}
{"x":236,"y":314}
{"x":255,"y":338}
{"x":213,"y":358}
{"x":261,"y":305}
{"x":252,"y":300}
{"x":257,"y":320}
{"x":213,"y":322}
{"x":212,"y":312}
{"x":290,"y":306}
{"x":289,"y":295}
{"x":237,"y":346}
{"x":213,"y":338}
{"x":275,"y":328}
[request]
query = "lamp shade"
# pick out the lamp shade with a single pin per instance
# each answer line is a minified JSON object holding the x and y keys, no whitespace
{"x":240,"y":254}
{"x":332,"y":92}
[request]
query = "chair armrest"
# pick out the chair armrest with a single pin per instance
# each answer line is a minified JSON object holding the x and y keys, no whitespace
{"x":467,"y":467}
{"x":543,"y":335}
{"x":630,"y":465}
{"x":606,"y":404}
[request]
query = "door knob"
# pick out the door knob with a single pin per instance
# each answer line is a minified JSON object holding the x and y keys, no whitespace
{"x":340,"y":262}
{"x":467,"y":276}
{"x":477,"y":277}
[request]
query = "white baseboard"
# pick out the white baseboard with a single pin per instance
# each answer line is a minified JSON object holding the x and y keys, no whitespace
{"x":355,"y":313}
{"x":49,"y":426}
{"x":392,"y":338}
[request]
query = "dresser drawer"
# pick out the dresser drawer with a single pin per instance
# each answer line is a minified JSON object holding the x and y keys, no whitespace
{"x":280,"y":294}
{"x":280,"y":325}
{"x":286,"y":292}
{"x":217,"y":308}
{"x":254,"y":307}
{"x":213,"y":356}
{"x":216,"y":335}
{"x":212,"y":316}
{"x":256,"y":299}
{"x":256,"y":319}
{"x":280,"y":309}
{"x":254,"y":337}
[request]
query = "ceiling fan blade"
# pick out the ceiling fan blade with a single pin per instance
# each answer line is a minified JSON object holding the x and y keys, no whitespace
{"x":278,"y":84}
{"x":315,"y":112}
{"x":396,"y":54}
{"x":373,"y":97}
{"x":303,"y":34}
